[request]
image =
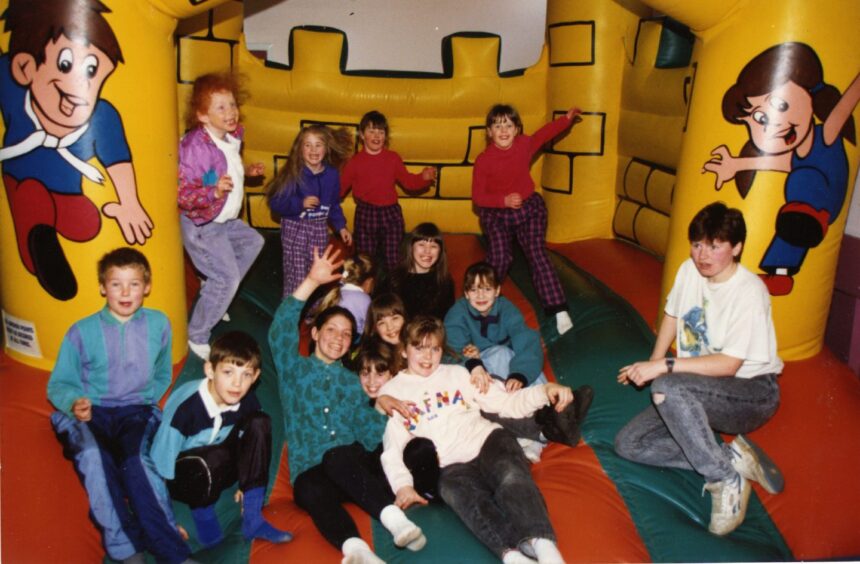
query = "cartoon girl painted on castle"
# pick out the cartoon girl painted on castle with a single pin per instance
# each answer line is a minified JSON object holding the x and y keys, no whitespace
{"x":778,"y":95}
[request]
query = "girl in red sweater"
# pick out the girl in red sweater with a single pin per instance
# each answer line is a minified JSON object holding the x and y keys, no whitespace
{"x":508,"y":206}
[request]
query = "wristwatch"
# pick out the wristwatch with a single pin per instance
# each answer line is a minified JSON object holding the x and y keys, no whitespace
{"x":670,"y":365}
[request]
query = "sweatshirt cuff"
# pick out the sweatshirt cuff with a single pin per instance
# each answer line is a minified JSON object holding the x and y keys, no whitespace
{"x":471,"y":363}
{"x":518,"y":377}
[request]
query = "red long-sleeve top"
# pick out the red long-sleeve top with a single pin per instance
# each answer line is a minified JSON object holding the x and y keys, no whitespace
{"x":499,"y":172}
{"x":372,"y":178}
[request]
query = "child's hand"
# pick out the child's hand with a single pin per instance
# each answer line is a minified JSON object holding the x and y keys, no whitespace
{"x":238,"y":497}
{"x":255,"y":169}
{"x":514,"y":201}
{"x":572,"y":113}
{"x":512,"y":384}
{"x":82,"y":409}
{"x":429,"y":173}
{"x":471,"y":351}
{"x":481,"y":379}
{"x":407,"y":496}
{"x":346,"y":236}
{"x":325,"y":265}
{"x":182,"y":532}
{"x":389,"y":405}
{"x":224,"y":186}
{"x":558,"y":395}
{"x":310,"y":202}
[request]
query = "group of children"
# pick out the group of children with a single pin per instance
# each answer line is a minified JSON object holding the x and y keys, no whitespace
{"x":407,"y":428}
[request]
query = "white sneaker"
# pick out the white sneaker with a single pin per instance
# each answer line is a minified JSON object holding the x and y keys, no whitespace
{"x":751,"y":462}
{"x":516,"y":557}
{"x":729,"y":499}
{"x":563,"y":322}
{"x":201,"y":350}
{"x":405,"y":533}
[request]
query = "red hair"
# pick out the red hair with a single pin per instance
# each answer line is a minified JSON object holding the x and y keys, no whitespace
{"x":204,"y":87}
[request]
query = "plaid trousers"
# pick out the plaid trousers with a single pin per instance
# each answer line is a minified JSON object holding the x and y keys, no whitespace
{"x":298,"y":239}
{"x":379,"y":225}
{"x":528,"y":224}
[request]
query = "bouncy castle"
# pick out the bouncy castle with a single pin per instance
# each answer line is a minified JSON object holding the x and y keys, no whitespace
{"x":659,"y":139}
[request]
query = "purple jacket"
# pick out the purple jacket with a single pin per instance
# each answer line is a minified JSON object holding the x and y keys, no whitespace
{"x":201,"y":164}
{"x":325,"y":186}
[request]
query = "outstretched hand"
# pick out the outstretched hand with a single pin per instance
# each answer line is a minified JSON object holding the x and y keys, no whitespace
{"x":325,"y":265}
{"x":722,"y":164}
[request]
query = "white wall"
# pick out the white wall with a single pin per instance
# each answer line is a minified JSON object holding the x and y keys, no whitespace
{"x":403,"y":35}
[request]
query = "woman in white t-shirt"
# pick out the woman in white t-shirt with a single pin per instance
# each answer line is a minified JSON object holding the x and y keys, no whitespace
{"x":724,"y":375}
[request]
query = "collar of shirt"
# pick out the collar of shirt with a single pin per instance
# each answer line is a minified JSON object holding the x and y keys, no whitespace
{"x":213,"y":409}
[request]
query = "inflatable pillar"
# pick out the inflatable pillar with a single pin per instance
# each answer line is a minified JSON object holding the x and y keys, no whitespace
{"x":771,"y":132}
{"x":585,"y":70}
{"x":88,"y":159}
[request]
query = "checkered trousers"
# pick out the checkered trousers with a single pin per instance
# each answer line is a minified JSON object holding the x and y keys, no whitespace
{"x":528,"y":225}
{"x":298,"y":239}
{"x":377,"y":226}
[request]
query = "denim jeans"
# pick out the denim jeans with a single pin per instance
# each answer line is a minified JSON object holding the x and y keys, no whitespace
{"x":678,"y":432}
{"x":223,"y":253}
{"x":495,"y":496}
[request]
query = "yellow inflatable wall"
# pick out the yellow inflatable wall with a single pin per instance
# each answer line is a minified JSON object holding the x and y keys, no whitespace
{"x":635,"y":166}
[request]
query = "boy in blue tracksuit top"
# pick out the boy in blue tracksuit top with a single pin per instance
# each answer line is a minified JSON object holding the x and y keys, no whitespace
{"x":491,"y":335}
{"x":214,"y":434}
{"x":111,"y":371}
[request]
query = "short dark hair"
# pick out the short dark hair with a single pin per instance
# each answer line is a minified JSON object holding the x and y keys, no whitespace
{"x":123,"y":257}
{"x":376,"y":355}
{"x":236,"y":347}
{"x":480,"y":271}
{"x":501,"y":111}
{"x":35,"y":23}
{"x":376,"y":120}
{"x":718,"y":222}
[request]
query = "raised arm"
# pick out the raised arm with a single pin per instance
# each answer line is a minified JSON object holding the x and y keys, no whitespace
{"x":842,"y":111}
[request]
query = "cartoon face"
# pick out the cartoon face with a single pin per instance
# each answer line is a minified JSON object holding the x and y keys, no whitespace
{"x":373,"y":139}
{"x":502,"y":133}
{"x":332,"y":339}
{"x":425,"y":253}
{"x":482,"y":296}
{"x":222,"y":115}
{"x":424,"y":358}
{"x":66,"y":87}
{"x":780,"y":120}
{"x":371,"y":380}
{"x":388,"y":328}
{"x":715,"y":260}
{"x":313,"y":152}
{"x":124,"y":287}
{"x":228,"y":382}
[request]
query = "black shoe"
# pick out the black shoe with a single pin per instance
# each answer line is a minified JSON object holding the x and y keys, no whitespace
{"x":52,"y":269}
{"x":565,"y":427}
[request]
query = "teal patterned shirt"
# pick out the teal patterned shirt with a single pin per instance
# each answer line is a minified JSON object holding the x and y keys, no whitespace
{"x":323,"y":404}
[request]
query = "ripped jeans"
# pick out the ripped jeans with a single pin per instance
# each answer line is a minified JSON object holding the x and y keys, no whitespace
{"x":677,"y":430}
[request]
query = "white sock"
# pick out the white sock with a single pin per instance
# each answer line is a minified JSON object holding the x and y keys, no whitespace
{"x":406,"y":533}
{"x":356,"y":551}
{"x":563,"y":322}
{"x":516,"y":557}
{"x":547,"y":552}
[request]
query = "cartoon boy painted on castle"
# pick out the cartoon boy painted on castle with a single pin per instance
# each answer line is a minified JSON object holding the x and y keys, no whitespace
{"x":59,"y":58}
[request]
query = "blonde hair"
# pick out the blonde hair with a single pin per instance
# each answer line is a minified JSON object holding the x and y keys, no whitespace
{"x":338,"y":148}
{"x":356,"y":270}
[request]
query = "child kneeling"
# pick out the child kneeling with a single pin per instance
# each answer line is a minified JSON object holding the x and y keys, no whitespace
{"x":214,"y":434}
{"x":485,"y":477}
